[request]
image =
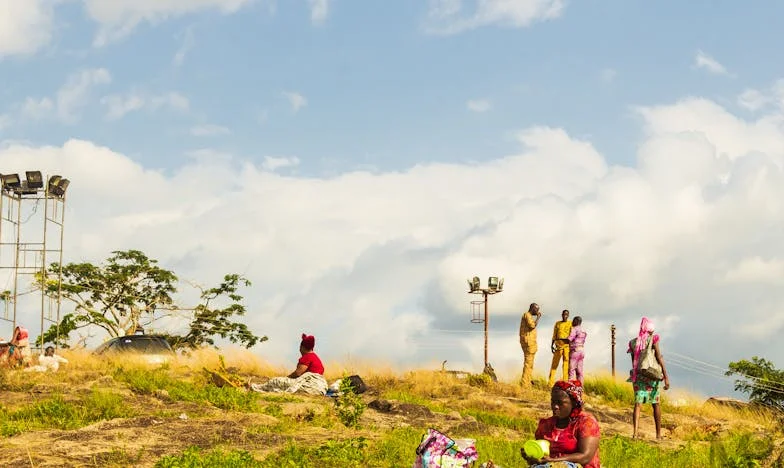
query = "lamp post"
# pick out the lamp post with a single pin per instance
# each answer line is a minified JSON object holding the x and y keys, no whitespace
{"x":479,"y":311}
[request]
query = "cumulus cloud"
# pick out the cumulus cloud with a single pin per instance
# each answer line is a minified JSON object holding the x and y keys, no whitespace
{"x":448,"y":17}
{"x":478,"y":105}
{"x":296,"y":100}
{"x":319,"y":9}
{"x":25,"y":26}
{"x":708,"y":63}
{"x":119,"y":105}
{"x":208,"y":130}
{"x":272,"y":163}
{"x":118,"y":18}
{"x":70,"y":99}
{"x":374,"y":264}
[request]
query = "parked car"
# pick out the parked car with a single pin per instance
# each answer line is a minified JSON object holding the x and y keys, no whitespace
{"x":153,"y":349}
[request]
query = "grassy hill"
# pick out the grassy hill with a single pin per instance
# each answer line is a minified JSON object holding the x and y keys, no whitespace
{"x":96,"y":412}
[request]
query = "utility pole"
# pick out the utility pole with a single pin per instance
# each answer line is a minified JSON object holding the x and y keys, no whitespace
{"x":479,"y":309}
{"x":612,"y":347}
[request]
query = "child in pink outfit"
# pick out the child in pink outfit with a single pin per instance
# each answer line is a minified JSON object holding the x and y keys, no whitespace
{"x":576,"y":352}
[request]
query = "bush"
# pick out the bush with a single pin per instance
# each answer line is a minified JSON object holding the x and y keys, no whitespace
{"x":348,"y":405}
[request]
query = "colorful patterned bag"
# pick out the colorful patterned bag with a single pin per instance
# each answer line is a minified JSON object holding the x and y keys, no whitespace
{"x":439,"y":451}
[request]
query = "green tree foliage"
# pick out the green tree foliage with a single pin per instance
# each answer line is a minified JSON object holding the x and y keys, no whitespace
{"x":759,"y":379}
{"x":129,"y":291}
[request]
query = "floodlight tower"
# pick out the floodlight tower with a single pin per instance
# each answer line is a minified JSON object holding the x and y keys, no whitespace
{"x":30,"y":251}
{"x":479,"y":312}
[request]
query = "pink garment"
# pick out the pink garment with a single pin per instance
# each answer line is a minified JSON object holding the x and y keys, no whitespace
{"x":577,"y":338}
{"x":646,"y":329}
{"x":576,"y":365}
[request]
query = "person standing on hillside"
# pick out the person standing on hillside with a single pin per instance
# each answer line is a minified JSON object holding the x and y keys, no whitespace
{"x":528,"y":324}
{"x":646,"y":389}
{"x":576,"y":353}
{"x":559,"y":345}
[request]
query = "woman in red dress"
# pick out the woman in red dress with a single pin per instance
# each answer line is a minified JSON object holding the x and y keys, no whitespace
{"x":572,"y":433}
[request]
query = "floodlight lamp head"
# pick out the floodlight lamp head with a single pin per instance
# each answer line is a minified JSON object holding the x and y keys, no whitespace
{"x":475,"y":283}
{"x":501,"y":284}
{"x":58,"y":185}
{"x":492,"y":283}
{"x":11,"y":181}
{"x":34,"y":179}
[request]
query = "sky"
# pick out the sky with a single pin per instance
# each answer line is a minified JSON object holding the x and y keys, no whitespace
{"x":357,"y":161}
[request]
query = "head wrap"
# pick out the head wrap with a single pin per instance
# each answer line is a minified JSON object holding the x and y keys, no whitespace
{"x":21,"y":333}
{"x":646,"y":328}
{"x":308,"y":341}
{"x":574,"y":389}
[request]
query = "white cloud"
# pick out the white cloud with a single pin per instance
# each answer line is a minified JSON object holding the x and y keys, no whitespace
{"x":446,"y":16}
{"x":118,"y":106}
{"x":272,"y":163}
{"x":209,"y":130}
{"x":478,"y":105}
{"x":296,"y":100}
{"x":752,"y":99}
{"x":667,"y":237}
{"x":608,"y":75}
{"x":756,"y":270}
{"x":319,"y":9}
{"x":186,"y":45}
{"x":118,"y":18}
{"x":25,"y":26}
{"x":708,"y":63}
{"x":70,"y":99}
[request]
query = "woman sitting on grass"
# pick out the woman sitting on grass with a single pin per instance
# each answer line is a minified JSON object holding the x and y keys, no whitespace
{"x":308,"y":377}
{"x":573,"y":434}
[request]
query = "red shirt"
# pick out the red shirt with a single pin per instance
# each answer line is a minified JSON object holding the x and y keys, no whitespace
{"x":564,"y":441}
{"x":313,"y":362}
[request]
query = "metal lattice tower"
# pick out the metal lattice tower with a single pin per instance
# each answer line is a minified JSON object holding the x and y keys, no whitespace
{"x":32,"y":221}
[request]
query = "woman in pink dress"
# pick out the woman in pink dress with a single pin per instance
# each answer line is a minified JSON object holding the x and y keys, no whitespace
{"x":576,"y":350}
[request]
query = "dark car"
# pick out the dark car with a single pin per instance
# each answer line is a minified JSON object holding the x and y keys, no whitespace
{"x":154,"y":349}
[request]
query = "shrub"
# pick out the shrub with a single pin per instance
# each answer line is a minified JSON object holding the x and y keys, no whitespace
{"x":348,"y":405}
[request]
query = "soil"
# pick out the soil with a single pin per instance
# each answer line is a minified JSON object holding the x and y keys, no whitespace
{"x":168,"y":427}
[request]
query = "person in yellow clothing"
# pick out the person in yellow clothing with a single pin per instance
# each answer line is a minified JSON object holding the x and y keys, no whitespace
{"x":528,"y":341}
{"x":560,"y":346}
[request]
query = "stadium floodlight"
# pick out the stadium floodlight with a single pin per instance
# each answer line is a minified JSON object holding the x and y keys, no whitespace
{"x":11,"y":181}
{"x":34,"y":179}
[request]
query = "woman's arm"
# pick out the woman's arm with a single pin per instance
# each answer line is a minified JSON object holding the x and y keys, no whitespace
{"x":659,"y":358}
{"x":301,"y":369}
{"x":586,"y":449}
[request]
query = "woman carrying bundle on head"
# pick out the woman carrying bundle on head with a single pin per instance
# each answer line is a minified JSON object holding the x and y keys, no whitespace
{"x":647,"y":372}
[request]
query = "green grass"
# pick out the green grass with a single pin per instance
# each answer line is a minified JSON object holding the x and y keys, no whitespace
{"x":195,"y":457}
{"x":57,"y":413}
{"x":523,"y":424}
{"x":732,"y":451}
{"x":406,"y":397}
{"x":613,"y":392}
{"x":150,"y":382}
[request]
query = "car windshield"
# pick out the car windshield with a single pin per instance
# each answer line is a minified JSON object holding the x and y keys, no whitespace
{"x":144,"y":345}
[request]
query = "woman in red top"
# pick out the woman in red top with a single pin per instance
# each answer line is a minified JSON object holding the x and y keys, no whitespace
{"x":309,"y":362}
{"x":573,"y":434}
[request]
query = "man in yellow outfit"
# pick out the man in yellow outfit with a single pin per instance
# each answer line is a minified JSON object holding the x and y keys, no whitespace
{"x":528,"y":341}
{"x":560,"y":347}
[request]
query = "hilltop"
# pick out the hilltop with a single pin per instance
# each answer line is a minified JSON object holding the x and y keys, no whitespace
{"x":120,"y":413}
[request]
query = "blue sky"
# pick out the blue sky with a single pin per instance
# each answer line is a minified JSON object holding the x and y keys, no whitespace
{"x":614,"y":155}
{"x":383,"y":93}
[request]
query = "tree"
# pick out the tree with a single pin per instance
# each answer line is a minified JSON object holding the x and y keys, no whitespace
{"x":760,"y":379}
{"x":130,"y":291}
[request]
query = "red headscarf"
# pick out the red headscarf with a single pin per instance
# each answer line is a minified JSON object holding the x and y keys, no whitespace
{"x":308,"y":341}
{"x":574,"y":389}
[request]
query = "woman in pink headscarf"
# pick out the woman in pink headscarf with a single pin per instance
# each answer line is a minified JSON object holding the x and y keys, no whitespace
{"x":646,"y":390}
